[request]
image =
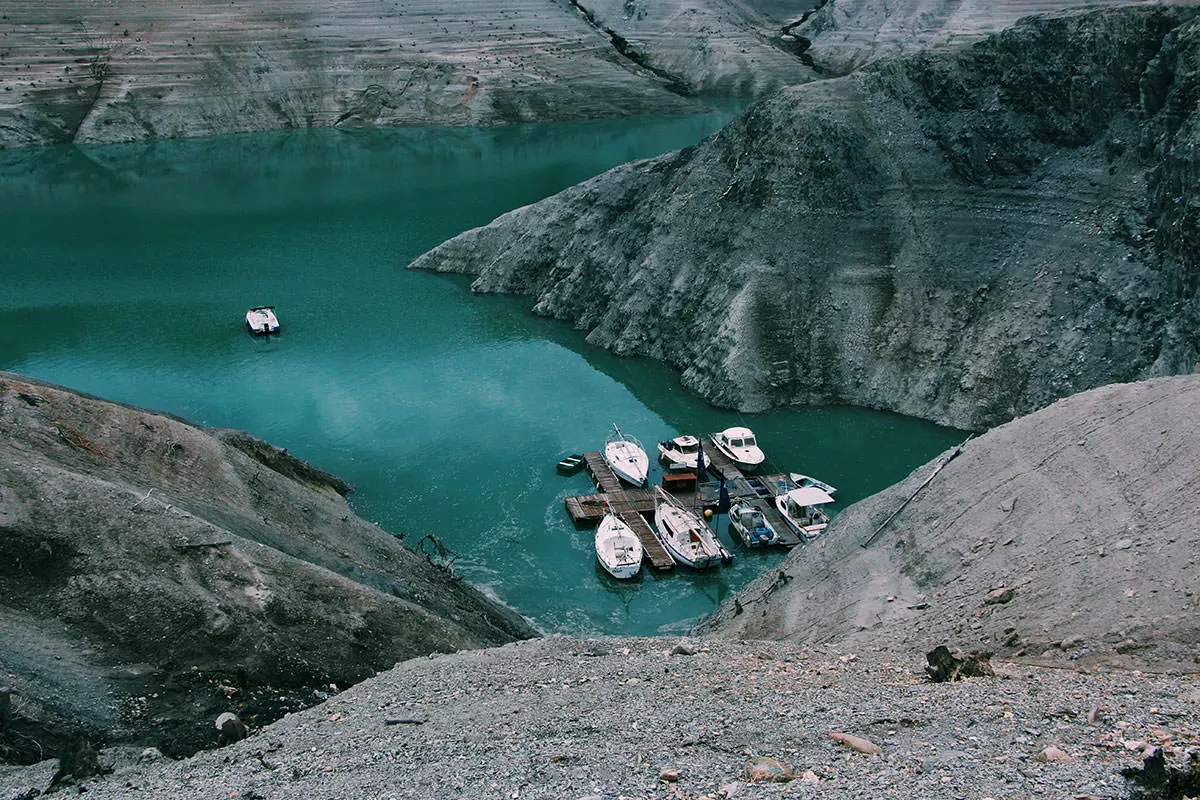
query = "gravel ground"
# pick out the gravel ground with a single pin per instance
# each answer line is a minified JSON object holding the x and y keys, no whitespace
{"x":612,"y":718}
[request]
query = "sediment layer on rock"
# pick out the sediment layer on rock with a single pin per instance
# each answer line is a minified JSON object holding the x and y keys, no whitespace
{"x":168,"y":572}
{"x":962,"y":236}
{"x":123,"y":71}
{"x":1066,"y":537}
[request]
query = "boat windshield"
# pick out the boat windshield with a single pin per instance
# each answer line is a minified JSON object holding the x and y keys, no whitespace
{"x":688,"y":448}
{"x":748,"y":441}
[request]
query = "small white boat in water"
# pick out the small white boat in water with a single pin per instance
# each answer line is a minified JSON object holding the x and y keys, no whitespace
{"x":618,"y":548}
{"x":801,"y":509}
{"x":261,"y":320}
{"x":808,"y":480}
{"x":685,"y":535}
{"x":751,"y":524}
{"x":739,"y":444}
{"x":680,"y":453}
{"x":626,"y":457}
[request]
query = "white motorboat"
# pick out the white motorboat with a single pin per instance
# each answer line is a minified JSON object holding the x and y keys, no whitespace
{"x":801,"y":509}
{"x":681,"y":453}
{"x":618,"y":548}
{"x":739,"y":444}
{"x":625,"y":456}
{"x":808,"y":480}
{"x":689,"y":541}
{"x":751,"y":524}
{"x":261,"y":320}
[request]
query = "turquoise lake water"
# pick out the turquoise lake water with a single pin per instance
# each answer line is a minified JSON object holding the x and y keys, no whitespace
{"x":126,"y":272}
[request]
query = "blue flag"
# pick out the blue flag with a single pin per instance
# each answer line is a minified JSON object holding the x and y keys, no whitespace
{"x":700,"y":474}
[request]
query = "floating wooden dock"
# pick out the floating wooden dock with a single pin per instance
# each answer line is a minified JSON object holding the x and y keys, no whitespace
{"x":652,"y":549}
{"x":632,"y":505}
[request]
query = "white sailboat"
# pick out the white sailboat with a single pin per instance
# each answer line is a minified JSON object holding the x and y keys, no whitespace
{"x":618,"y":548}
{"x":687,"y":538}
{"x":626,"y":457}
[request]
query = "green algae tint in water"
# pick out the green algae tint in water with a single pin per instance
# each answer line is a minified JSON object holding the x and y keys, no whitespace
{"x":126,"y":272}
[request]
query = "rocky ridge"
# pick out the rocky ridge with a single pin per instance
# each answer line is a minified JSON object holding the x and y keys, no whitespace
{"x":167,"y":573}
{"x":1066,"y":538}
{"x":962,"y":236}
{"x":123,"y":71}
{"x":653,"y":718}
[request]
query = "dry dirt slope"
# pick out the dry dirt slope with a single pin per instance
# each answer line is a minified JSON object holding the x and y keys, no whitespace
{"x":1085,"y":512}
{"x":144,"y":561}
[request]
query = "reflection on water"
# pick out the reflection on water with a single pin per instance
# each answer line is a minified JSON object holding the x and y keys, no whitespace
{"x":127,"y":271}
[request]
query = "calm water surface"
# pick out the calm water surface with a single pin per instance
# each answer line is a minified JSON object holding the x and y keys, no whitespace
{"x":126,"y":272}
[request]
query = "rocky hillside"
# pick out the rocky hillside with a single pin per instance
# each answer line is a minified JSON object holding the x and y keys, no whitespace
{"x":653,"y":718}
{"x":1065,"y":537}
{"x":125,"y":70}
{"x":845,"y":34}
{"x":963,"y":236}
{"x":154,"y":574}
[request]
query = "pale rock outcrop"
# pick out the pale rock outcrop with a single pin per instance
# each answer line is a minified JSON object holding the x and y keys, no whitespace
{"x":124,"y":70}
{"x":963,"y":236}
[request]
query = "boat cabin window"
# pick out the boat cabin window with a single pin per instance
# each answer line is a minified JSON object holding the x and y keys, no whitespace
{"x":688,"y":448}
{"x":735,"y":442}
{"x":748,"y":441}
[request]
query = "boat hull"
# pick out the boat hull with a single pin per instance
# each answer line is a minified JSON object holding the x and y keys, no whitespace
{"x":617,"y":548}
{"x":627,"y":461}
{"x":688,"y":540}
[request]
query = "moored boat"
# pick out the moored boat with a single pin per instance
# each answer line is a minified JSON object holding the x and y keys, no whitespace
{"x":261,"y":320}
{"x":685,"y":535}
{"x":681,"y":453}
{"x":626,"y":457}
{"x":751,"y":524}
{"x":618,"y":548}
{"x":741,"y":447}
{"x":801,"y":509}
{"x":807,"y":480}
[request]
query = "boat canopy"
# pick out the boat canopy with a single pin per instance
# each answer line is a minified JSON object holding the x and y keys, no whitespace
{"x":809,"y":496}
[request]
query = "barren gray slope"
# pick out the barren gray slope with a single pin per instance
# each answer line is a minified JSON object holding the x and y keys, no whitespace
{"x":144,"y":561}
{"x":1086,"y":510}
{"x":126,"y":70}
{"x":569,"y":719}
{"x":958,"y":236}
{"x":846,"y":34}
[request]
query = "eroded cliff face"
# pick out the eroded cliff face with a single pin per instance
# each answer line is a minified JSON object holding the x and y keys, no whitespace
{"x":168,"y":573}
{"x":842,"y":35}
{"x":124,"y":70}
{"x":1066,"y":537}
{"x":963,"y":236}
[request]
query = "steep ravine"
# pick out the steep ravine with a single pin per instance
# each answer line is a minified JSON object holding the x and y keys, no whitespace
{"x":962,"y":236}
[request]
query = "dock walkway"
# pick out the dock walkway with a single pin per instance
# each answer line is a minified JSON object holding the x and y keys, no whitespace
{"x":634,"y":505}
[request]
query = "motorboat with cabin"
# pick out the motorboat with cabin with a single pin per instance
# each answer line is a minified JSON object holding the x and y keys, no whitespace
{"x":261,"y":320}
{"x":741,"y":447}
{"x":801,"y":508}
{"x":681,"y":453}
{"x":685,"y":535}
{"x":751,"y":524}
{"x":618,"y":548}
{"x":626,"y":457}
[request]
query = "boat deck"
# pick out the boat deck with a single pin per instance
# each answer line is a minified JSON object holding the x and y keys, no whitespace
{"x":632,"y":504}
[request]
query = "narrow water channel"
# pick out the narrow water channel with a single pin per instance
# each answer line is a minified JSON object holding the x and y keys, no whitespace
{"x":126,"y":272}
